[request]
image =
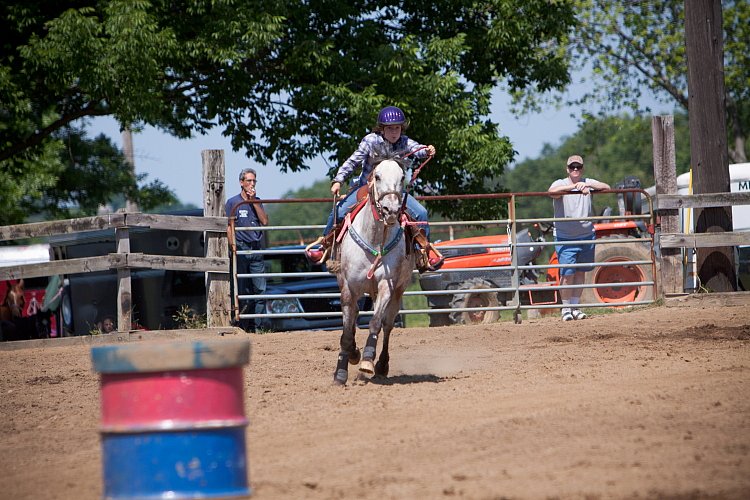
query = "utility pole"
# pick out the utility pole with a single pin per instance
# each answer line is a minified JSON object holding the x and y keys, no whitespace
{"x":127,"y":147}
{"x":708,"y":136}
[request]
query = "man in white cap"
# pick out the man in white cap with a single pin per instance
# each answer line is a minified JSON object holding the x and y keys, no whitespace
{"x":574,"y":206}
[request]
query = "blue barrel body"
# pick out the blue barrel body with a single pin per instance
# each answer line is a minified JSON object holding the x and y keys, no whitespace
{"x":173,"y":420}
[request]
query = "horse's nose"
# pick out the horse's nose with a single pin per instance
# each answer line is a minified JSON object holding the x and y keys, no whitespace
{"x":389,"y":213}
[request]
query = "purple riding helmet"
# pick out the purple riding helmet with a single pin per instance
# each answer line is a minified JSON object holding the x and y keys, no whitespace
{"x":391,"y":115}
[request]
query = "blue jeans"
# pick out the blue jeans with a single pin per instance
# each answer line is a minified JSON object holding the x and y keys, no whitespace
{"x":415,"y":210}
{"x":250,"y":264}
{"x":575,"y":254}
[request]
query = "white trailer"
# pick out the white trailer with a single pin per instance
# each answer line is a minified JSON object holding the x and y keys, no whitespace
{"x":739,"y":182}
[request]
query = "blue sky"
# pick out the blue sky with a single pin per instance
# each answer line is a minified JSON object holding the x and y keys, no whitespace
{"x":177,"y":163}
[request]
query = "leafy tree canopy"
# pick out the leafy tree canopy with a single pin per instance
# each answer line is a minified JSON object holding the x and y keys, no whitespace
{"x":287,"y":80}
{"x":613,"y":148}
{"x":633,"y":46}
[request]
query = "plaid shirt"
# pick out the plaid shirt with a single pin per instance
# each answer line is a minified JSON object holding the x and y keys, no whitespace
{"x":369,"y":144}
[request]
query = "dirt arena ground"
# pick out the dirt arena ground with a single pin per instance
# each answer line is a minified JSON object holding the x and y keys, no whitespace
{"x":651,"y":403}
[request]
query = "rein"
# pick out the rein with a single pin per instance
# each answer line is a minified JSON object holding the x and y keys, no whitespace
{"x":413,"y":178}
{"x":416,"y":172}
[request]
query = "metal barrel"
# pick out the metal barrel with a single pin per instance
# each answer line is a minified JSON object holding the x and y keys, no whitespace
{"x":173,"y":419}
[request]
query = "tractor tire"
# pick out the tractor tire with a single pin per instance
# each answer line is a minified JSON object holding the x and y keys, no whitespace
{"x":440,"y":319}
{"x":619,"y":274}
{"x":474,"y":300}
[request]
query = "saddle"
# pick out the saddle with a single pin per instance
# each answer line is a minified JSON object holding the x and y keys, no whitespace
{"x":429,"y":258}
{"x":319,"y":251}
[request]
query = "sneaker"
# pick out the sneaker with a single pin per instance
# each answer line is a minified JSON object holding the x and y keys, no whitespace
{"x":578,"y":314}
{"x":567,"y":315}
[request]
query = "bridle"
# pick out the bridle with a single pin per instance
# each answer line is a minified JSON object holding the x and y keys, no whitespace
{"x":376,"y":197}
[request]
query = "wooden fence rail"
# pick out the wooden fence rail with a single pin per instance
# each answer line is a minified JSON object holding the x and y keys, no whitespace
{"x":113,"y":221}
{"x":215,"y":264}
{"x":123,"y":260}
{"x":702,"y":240}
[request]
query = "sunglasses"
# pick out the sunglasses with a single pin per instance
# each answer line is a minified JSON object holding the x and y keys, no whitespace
{"x":575,"y":167}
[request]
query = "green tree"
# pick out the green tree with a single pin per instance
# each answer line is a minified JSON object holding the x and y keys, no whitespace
{"x":633,"y":46}
{"x":287,"y":80}
{"x":73,"y":176}
{"x":300,"y":214}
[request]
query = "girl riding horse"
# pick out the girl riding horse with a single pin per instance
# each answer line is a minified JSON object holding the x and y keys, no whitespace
{"x":387,"y":135}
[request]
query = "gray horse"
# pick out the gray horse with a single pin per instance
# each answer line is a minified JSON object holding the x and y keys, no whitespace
{"x":374,"y":259}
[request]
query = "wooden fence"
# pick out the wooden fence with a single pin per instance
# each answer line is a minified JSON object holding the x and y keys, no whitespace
{"x":668,"y":204}
{"x":215,"y":264}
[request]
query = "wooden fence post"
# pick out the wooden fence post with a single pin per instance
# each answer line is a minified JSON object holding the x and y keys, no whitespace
{"x":709,"y":155}
{"x":665,"y":175}
{"x":124,"y":287}
{"x":218,"y":301}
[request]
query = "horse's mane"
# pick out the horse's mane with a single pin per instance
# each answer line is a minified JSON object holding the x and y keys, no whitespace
{"x":381,"y":154}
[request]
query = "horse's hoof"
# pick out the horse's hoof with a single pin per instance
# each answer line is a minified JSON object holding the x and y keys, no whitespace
{"x":381,"y":369}
{"x":355,"y":357}
{"x":367,"y":367}
{"x":340,"y":377}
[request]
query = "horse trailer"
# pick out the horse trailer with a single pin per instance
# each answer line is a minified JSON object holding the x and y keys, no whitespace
{"x":157,"y":294}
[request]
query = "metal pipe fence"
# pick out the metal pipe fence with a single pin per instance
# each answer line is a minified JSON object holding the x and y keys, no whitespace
{"x":517,"y":294}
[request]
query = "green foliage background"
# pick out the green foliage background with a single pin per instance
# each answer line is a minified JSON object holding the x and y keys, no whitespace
{"x":288,"y":81}
{"x":613,"y":149}
{"x":625,"y":49}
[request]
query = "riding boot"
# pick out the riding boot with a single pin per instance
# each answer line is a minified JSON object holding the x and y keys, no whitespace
{"x":429,"y":258}
{"x":318,"y":251}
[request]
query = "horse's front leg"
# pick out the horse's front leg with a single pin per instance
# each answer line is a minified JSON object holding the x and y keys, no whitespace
{"x":381,"y":368}
{"x":348,"y":354}
{"x":376,"y":325}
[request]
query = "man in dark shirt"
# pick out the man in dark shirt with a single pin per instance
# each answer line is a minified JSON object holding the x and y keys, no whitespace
{"x":245,"y":211}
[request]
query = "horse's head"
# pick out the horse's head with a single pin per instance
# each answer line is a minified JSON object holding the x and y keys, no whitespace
{"x":386,"y":188}
{"x":15,"y":299}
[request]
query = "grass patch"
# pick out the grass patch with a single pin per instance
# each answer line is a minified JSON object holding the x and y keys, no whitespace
{"x":412,"y":302}
{"x":187,"y":318}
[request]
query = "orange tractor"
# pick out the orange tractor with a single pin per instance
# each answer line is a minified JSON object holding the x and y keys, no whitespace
{"x":480,"y":267}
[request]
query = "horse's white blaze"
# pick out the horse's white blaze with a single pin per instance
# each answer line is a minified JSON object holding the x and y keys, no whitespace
{"x":388,"y":190}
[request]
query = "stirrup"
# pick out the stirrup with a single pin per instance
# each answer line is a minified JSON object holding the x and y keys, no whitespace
{"x":436,"y":261}
{"x":317,"y":255}
{"x":426,"y":263}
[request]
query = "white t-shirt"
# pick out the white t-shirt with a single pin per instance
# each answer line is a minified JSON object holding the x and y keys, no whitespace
{"x":573,"y":206}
